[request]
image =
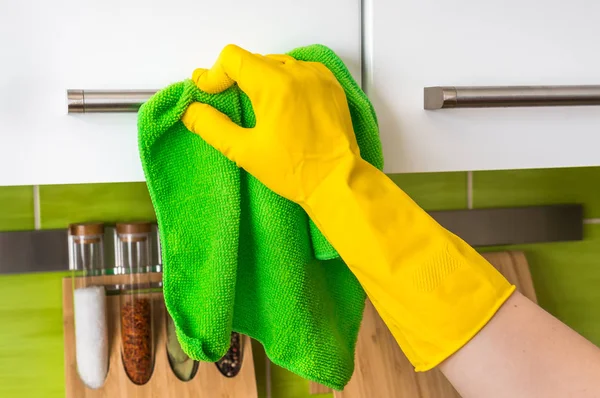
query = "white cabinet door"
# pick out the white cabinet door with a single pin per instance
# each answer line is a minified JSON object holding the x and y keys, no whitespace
{"x":47,"y":47}
{"x":411,"y":44}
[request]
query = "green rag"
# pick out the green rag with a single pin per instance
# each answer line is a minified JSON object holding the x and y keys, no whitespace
{"x":239,"y":257}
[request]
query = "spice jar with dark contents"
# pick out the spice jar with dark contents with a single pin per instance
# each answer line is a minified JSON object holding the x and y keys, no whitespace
{"x":231,"y":363}
{"x":133,"y":259}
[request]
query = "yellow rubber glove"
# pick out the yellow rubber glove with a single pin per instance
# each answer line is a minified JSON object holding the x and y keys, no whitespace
{"x":279,"y":88}
{"x":432,"y":289}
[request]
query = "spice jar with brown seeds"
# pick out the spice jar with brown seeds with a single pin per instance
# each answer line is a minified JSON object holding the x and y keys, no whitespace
{"x":132,"y":244}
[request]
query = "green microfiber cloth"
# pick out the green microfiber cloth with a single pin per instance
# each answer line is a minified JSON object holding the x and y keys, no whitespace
{"x":239,"y":257}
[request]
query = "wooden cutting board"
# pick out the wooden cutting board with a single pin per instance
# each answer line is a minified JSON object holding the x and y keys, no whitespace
{"x":207,"y":383}
{"x":382,"y":370}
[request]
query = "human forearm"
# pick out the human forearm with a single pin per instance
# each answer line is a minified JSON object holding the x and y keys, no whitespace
{"x":525,"y":352}
{"x":433,"y":291}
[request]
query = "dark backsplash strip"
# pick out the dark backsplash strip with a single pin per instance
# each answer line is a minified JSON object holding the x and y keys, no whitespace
{"x":47,"y":250}
{"x":44,"y":251}
{"x":514,"y":225}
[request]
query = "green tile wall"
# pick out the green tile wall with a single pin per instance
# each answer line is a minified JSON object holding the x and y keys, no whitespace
{"x":16,"y":208}
{"x":31,"y":336}
{"x":61,"y":205}
{"x":566,"y":275}
{"x":538,"y":187}
{"x":435,"y":191}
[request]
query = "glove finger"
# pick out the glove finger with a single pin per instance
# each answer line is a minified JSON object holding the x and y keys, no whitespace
{"x":217,"y":130}
{"x":234,"y":65}
{"x":280,"y":58}
{"x":198,"y":74}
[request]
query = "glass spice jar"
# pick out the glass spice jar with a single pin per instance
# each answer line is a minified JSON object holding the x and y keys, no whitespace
{"x":231,"y":363}
{"x":184,"y":367}
{"x":132,"y":243}
{"x":86,"y":261}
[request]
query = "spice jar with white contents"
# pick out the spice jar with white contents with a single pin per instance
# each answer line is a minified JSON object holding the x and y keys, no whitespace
{"x":132,"y":244}
{"x":86,"y":261}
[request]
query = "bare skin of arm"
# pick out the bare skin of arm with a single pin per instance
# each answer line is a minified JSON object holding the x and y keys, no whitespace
{"x":525,"y":352}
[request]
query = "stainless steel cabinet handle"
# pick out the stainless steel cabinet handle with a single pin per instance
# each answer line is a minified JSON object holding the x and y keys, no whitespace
{"x":509,"y":96}
{"x":102,"y":101}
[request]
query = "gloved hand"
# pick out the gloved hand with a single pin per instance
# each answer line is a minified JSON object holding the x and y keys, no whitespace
{"x":432,"y":289}
{"x":303,"y":127}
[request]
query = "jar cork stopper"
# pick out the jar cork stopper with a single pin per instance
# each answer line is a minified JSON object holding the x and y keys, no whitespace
{"x":86,"y":232}
{"x":134,"y":231}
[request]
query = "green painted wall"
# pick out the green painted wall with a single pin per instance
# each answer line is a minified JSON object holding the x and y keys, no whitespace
{"x":566,"y":275}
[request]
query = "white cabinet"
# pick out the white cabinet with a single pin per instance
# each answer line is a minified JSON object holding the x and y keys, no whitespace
{"x":412,"y":44}
{"x":47,"y":47}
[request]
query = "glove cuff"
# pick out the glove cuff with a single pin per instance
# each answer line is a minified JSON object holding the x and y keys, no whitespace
{"x":431,"y":288}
